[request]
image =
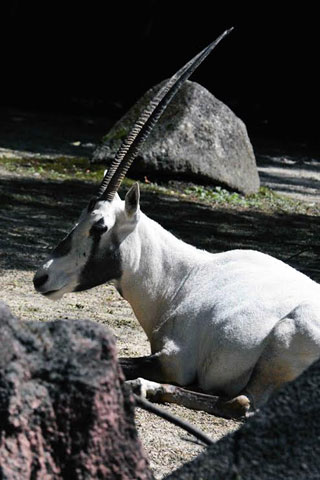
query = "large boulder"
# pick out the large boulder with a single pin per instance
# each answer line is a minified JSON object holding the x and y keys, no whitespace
{"x":198,"y":138}
{"x":65,"y":412}
{"x":279,"y":442}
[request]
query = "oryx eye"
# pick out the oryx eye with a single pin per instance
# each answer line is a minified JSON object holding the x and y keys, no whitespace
{"x":98,"y":228}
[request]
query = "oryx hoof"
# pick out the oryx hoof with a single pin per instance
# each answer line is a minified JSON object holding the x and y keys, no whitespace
{"x":238,"y":407}
{"x":144,"y":388}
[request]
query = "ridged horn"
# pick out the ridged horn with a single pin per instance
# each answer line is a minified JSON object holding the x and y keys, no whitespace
{"x":141,"y":129}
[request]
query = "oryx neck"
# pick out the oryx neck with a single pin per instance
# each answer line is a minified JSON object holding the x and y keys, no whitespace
{"x":156,"y":264}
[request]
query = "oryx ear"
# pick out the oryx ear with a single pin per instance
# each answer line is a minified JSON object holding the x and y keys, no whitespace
{"x":132,"y":200}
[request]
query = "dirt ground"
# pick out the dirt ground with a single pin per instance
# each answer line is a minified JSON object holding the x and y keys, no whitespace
{"x":36,"y":213}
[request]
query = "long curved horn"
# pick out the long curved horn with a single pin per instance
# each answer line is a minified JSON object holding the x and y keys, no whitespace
{"x":146,"y":121}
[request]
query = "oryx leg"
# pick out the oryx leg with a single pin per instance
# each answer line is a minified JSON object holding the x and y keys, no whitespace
{"x":153,"y":378}
{"x":156,"y":378}
{"x":166,"y":365}
{"x":148,"y":377}
{"x":168,"y":393}
{"x":293,"y":345}
{"x":190,"y":398}
{"x":149,"y":367}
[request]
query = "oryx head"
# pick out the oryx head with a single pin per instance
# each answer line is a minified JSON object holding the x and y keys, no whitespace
{"x":90,"y":254}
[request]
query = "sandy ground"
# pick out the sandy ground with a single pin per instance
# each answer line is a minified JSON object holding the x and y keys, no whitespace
{"x":35,"y":214}
{"x":167,"y":446}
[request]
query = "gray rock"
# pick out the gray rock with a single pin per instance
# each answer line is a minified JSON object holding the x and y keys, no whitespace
{"x":65,"y":410}
{"x":282,"y":441}
{"x":197,"y":138}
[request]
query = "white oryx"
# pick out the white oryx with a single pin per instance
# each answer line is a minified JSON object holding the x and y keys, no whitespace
{"x":237,"y":324}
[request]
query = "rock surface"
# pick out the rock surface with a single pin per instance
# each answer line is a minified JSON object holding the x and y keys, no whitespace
{"x":197,"y":138}
{"x":279,"y":442}
{"x":65,"y":411}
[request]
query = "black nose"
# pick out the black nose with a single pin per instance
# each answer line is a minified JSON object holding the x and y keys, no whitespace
{"x":39,"y":281}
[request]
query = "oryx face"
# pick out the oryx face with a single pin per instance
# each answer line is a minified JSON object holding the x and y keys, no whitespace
{"x":90,"y":254}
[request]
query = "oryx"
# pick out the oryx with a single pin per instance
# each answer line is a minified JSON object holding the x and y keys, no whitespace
{"x":238,"y":324}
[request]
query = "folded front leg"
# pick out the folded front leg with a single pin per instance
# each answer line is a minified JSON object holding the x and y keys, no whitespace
{"x":164,"y":393}
{"x":152,"y":377}
{"x":167,"y":365}
{"x":148,"y":367}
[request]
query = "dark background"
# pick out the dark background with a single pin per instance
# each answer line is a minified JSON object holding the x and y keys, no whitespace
{"x":99,"y":57}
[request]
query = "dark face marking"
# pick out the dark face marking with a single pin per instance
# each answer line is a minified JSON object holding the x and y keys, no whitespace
{"x":92,"y":204}
{"x":64,"y":247}
{"x":102,"y":265}
{"x":98,"y":228}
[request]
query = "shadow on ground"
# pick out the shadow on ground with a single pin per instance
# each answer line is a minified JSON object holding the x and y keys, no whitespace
{"x":35,"y":133}
{"x":35,"y":214}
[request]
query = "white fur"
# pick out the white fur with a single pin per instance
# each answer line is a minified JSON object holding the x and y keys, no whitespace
{"x":212,"y":318}
{"x":210,"y":314}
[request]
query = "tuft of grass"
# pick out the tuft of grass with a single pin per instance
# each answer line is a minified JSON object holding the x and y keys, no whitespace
{"x":265,"y":199}
{"x":57,"y":168}
{"x":70,"y":168}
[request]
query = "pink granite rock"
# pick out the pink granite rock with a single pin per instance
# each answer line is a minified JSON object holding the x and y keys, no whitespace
{"x":65,"y":412}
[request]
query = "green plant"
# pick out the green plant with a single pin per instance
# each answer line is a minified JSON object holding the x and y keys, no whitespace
{"x":264,"y":199}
